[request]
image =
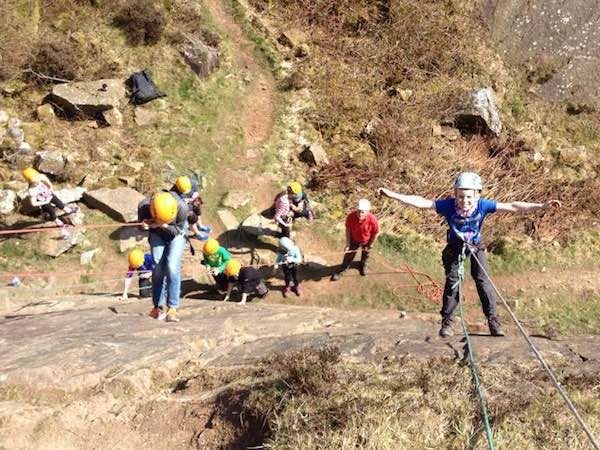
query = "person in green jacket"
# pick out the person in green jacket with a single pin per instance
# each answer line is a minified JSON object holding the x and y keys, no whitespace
{"x":215,"y":259}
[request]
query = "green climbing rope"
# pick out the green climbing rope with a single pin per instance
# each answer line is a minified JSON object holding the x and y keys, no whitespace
{"x":470,"y":354}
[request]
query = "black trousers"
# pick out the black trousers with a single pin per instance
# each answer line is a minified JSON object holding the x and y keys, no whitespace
{"x":145,"y":285}
{"x":349,"y":256}
{"x":49,"y":209}
{"x":290,"y":273}
{"x":487,"y":295}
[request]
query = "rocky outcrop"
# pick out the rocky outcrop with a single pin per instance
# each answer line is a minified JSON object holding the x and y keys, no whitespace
{"x":312,"y":153}
{"x":52,"y":162}
{"x":258,"y":225}
{"x":480,"y":115}
{"x":70,"y":195}
{"x":556,"y":41}
{"x":201,"y":58}
{"x":88,"y":98}
{"x":120,"y":203}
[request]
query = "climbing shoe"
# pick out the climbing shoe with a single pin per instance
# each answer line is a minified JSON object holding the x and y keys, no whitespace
{"x":296,"y":290}
{"x":495,"y":326}
{"x":286,"y":291}
{"x":172,"y":315}
{"x":157,"y":313}
{"x":446,"y":330}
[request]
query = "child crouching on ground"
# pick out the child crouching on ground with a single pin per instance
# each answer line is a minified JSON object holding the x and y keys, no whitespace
{"x":289,"y":257}
{"x":249,"y":280}
{"x":42,"y":196}
{"x":143,"y":264}
{"x":465,"y":213}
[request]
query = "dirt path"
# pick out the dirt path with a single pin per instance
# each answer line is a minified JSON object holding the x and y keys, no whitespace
{"x":258,"y":108}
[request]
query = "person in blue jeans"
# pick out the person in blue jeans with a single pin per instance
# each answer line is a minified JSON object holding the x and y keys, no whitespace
{"x":464,"y":214}
{"x":165,"y":216}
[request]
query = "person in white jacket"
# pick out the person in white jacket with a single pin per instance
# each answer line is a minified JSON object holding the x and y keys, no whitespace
{"x":289,"y":257}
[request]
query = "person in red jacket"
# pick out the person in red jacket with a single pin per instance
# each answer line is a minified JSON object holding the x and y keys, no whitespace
{"x":362,"y":229}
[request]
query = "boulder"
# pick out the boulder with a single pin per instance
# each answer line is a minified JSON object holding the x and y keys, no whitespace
{"x":51,"y":162}
{"x":228,"y":219}
{"x":89,"y":98}
{"x":113,"y":117}
{"x":480,"y":115}
{"x":312,"y":153}
{"x":45,"y":113}
{"x":8,"y":199}
{"x":70,"y":195}
{"x":258,"y":225}
{"x":236,"y":199}
{"x":3,"y":118}
{"x":201,"y":58}
{"x":53,"y":244}
{"x":132,"y":237}
{"x":121,"y":203}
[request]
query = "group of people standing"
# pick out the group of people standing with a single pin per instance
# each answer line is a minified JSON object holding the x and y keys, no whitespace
{"x":172,"y":217}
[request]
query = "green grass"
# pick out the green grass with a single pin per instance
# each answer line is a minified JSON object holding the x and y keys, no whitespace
{"x":561,"y":313}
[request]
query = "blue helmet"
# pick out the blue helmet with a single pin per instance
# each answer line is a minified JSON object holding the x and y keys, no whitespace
{"x":468,"y":180}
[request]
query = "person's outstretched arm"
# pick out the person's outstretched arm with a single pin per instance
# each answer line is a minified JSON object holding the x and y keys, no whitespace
{"x":411,"y":200}
{"x":526,"y":206}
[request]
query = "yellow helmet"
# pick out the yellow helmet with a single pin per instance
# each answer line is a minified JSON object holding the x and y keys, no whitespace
{"x":295,"y":187}
{"x":233,"y":267}
{"x":163,"y":207}
{"x":31,"y":175}
{"x":184,"y":184}
{"x":211,"y":246}
{"x":136,"y":258}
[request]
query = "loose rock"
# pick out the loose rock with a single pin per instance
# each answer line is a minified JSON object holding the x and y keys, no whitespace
{"x":120,"y":203}
{"x":481,"y":114}
{"x":236,"y":199}
{"x":88,"y":97}
{"x":8,"y":199}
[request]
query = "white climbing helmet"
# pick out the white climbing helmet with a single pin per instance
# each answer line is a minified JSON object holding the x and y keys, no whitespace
{"x":364,"y":205}
{"x":468,"y":180}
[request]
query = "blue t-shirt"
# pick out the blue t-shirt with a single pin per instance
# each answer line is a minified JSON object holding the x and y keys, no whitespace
{"x":148,"y":265}
{"x":467,"y":229}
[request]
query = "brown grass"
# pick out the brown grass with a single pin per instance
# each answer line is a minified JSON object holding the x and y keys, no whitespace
{"x":312,"y":399}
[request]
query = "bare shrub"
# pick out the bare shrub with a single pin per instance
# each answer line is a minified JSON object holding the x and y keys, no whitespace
{"x":142,"y":20}
{"x":55,"y":58}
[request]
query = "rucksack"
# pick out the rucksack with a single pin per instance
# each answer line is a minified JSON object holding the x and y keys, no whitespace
{"x":142,"y":89}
